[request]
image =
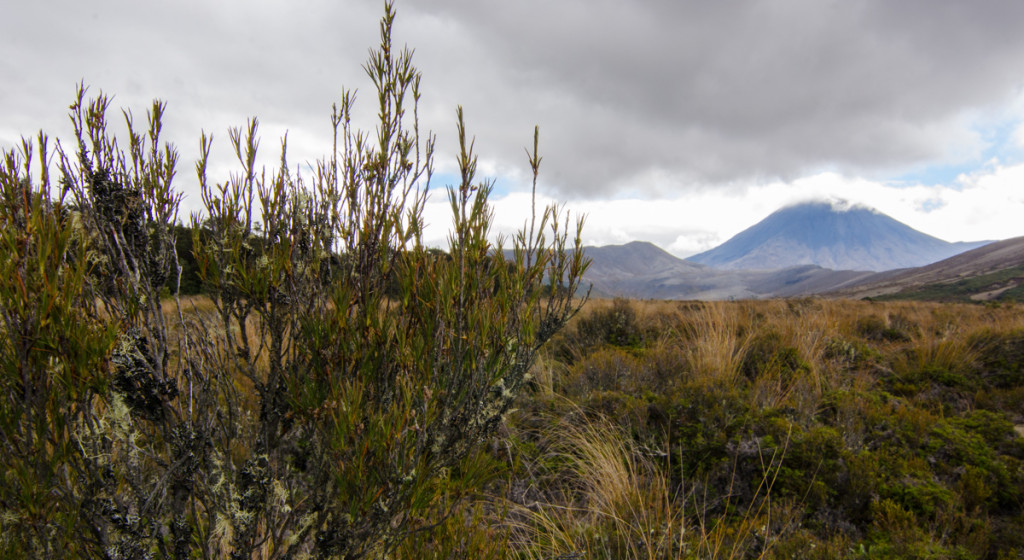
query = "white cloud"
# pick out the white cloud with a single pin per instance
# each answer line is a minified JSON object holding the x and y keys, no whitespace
{"x":681,"y":123}
{"x":983,"y":206}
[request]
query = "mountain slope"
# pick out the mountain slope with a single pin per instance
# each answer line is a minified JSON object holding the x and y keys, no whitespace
{"x":642,"y":270}
{"x":995,"y":271}
{"x":830,"y":235}
{"x":612,"y":262}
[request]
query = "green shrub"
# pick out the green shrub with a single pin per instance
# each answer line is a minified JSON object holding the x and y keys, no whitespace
{"x":607,"y":369}
{"x":874,"y":328}
{"x":850,"y":354}
{"x":813,"y":468}
{"x":1001,"y":359}
{"x":54,"y":343}
{"x":615,"y":325}
{"x":767,"y":354}
{"x":324,"y":399}
{"x":908,"y":451}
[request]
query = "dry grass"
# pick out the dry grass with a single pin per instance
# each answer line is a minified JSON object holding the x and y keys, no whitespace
{"x":617,"y":500}
{"x":716,"y":339}
{"x":609,"y":487}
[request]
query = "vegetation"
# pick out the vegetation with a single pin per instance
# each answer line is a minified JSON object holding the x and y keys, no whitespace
{"x":324,"y":398}
{"x":334,"y":389}
{"x":1001,"y":286}
{"x":773,"y":429}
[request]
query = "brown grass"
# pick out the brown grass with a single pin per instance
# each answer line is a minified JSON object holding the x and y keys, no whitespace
{"x":601,"y":490}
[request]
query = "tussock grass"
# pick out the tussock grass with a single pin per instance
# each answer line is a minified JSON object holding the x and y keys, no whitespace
{"x":616,"y":498}
{"x":773,"y":429}
{"x":715,"y":343}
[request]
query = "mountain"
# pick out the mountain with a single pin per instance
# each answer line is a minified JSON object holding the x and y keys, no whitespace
{"x":833,"y":235}
{"x":613,"y":263}
{"x":992,"y":272}
{"x":642,"y":270}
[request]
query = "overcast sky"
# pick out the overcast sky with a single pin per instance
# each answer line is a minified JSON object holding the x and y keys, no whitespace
{"x":676,"y":122}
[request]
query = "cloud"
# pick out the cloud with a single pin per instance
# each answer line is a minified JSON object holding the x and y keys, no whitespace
{"x":729,"y":91}
{"x":984,"y":206}
{"x":694,"y":119}
{"x":699,"y":93}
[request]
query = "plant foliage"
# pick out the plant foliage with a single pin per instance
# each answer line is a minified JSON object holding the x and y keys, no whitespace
{"x":322,"y":399}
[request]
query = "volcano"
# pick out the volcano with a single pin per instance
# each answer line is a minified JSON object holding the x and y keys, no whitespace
{"x":834,"y":235}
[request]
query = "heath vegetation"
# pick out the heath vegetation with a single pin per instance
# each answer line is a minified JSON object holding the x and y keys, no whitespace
{"x":773,"y":429}
{"x":323,"y":398}
{"x":293,"y":374}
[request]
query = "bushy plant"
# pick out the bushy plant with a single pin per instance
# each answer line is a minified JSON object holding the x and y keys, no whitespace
{"x":324,"y":403}
{"x":615,"y":325}
{"x":54,"y":343}
{"x":767,"y":352}
{"x":874,"y":328}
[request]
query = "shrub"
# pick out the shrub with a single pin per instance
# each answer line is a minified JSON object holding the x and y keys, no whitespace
{"x":1002,"y":357}
{"x":615,"y":325}
{"x":327,"y":406}
{"x":608,"y":369}
{"x":767,"y":354}
{"x":53,"y":353}
{"x":874,"y":328}
{"x":849,"y":354}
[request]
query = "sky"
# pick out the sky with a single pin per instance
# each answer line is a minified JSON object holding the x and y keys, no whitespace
{"x":679,"y":122}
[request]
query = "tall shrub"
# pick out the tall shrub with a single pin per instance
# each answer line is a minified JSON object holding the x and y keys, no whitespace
{"x":325,"y":402}
{"x":53,"y":355}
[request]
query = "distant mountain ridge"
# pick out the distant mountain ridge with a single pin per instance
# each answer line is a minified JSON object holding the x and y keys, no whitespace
{"x":806,"y":249}
{"x":642,"y":270}
{"x":832,"y":235}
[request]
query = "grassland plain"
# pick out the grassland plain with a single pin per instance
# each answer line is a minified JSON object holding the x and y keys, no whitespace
{"x":803,"y":428}
{"x":760,"y":429}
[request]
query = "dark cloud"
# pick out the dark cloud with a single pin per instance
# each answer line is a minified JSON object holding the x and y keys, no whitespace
{"x":730,"y":90}
{"x":646,"y":96}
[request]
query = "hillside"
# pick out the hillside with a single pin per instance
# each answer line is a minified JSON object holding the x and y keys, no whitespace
{"x":992,"y":272}
{"x":642,"y":270}
{"x":836,"y":236}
